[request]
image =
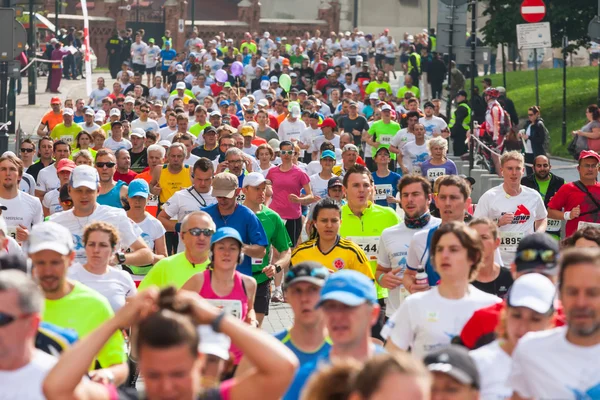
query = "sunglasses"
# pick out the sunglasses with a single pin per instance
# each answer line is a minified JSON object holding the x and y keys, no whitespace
{"x":319,"y":273}
{"x":24,"y":150}
{"x":144,"y":111}
{"x":287,"y":152}
{"x":6,"y":319}
{"x":105,"y":164}
{"x":529,"y":255}
{"x":199,"y":231}
{"x":67,"y":203}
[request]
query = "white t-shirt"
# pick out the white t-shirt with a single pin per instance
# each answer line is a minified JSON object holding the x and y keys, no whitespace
{"x":152,"y":54}
{"x":184,"y":202}
{"x":23,"y":209}
{"x":426,"y":321}
{"x":251,"y":151}
{"x":413,"y":155}
{"x":98,"y":95}
{"x":401,"y":138}
{"x":116,"y":285}
{"x":215,"y":65}
{"x":547,"y":366}
{"x":111,"y":215}
{"x":309,"y":136}
{"x":149,"y":125}
{"x":158,"y":93}
{"x":52,"y":201}
{"x":137,"y":52}
{"x":201,"y":92}
{"x":494,"y":366}
{"x":393,"y":253}
{"x":319,"y":140}
{"x":26,"y":382}
{"x":152,"y":229}
{"x":433,"y":126}
{"x":291,"y":130}
{"x":318,"y":185}
{"x":47,"y":179}
{"x":114,"y":145}
{"x":191,"y":160}
{"x":89,"y":129}
{"x":27,"y":184}
{"x":527,"y":206}
{"x":166,"y":132}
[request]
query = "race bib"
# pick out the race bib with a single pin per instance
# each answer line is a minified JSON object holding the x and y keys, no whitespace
{"x":580,"y":225}
{"x":416,"y":169}
{"x":434,"y":173}
{"x":12,"y":232}
{"x":231,"y":307}
{"x":167,"y":62}
{"x":383,"y":191}
{"x":369,"y":244}
{"x":385,"y":139}
{"x":241,"y":198}
{"x":67,"y":138}
{"x":553,"y":225}
{"x":510,"y":240}
{"x":152,"y":200}
{"x":256,"y":261}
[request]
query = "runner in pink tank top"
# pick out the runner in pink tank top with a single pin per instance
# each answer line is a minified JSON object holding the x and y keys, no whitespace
{"x":222,"y":285}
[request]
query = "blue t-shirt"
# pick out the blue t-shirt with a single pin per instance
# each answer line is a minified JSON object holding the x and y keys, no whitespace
{"x":432,"y":172}
{"x":383,"y":189}
{"x":168,"y":56}
{"x":306,"y":370}
{"x":248,"y":226}
{"x":304,"y":357}
{"x":54,"y":339}
{"x":112,"y":197}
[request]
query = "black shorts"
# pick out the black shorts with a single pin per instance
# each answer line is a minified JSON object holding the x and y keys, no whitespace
{"x":141,"y":68}
{"x":263,"y":298}
{"x":390,"y":60}
{"x":151,"y":71}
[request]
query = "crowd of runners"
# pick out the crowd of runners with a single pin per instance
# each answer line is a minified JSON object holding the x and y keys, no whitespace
{"x":146,"y":235}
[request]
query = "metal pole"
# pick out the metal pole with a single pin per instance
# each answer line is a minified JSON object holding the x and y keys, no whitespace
{"x":537,"y":86}
{"x":137,"y":13}
{"x":32,"y":72}
{"x":355,"y":14}
{"x":449,"y":102}
{"x":194,"y":13}
{"x":428,"y":16}
{"x":473,"y":73}
{"x":57,"y":9}
{"x":3,"y":105}
{"x":564,"y":121}
{"x":504,"y":67}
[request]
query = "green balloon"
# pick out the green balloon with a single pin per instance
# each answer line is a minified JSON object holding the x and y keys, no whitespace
{"x":285,"y":82}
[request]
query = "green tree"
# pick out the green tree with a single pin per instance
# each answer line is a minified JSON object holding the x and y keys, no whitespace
{"x":566,"y":17}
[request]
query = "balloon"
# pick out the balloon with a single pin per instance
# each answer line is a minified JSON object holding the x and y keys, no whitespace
{"x":237,"y":68}
{"x":221,"y":76}
{"x":285,"y":82}
{"x":293,"y":104}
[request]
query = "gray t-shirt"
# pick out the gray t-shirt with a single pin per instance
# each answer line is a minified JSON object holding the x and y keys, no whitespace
{"x":268,"y":134}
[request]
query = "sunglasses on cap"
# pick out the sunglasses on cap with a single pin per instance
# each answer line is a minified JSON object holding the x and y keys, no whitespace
{"x":7,"y":319}
{"x":25,"y":150}
{"x":200,"y":231}
{"x":303,"y":271}
{"x":105,"y":164}
{"x":547,"y":256}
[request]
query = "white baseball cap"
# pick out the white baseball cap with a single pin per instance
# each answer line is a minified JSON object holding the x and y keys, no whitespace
{"x":330,"y":72}
{"x":263,"y":103}
{"x":373,"y":96}
{"x":50,"y":236}
{"x":386,"y":107}
{"x":139,"y":132}
{"x":274,"y":79}
{"x":68,"y":111}
{"x":265,"y":85}
{"x":359,"y":59}
{"x":89,"y":111}
{"x":115,"y":111}
{"x":253,"y":179}
{"x":213,"y":343}
{"x":534,"y":291}
{"x":266,"y":34}
{"x":84,"y":175}
{"x":180,"y":85}
{"x":245,"y":101}
{"x":295,"y":112}
{"x":129,"y":99}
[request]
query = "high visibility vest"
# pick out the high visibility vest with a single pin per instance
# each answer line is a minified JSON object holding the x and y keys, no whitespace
{"x":433,"y":43}
{"x":418,"y":59}
{"x":466,"y":122}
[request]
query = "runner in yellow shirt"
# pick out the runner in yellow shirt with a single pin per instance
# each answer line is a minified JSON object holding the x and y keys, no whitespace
{"x":66,"y":130}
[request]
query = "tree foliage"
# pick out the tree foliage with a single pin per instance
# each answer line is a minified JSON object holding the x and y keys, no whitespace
{"x":566,"y":17}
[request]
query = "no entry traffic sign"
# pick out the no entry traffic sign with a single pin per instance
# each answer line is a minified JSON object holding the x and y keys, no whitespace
{"x":533,"y":10}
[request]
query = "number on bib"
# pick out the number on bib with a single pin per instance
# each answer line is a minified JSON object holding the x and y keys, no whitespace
{"x":369,"y":244}
{"x":385,"y":139}
{"x":510,"y":240}
{"x":231,"y":307}
{"x":383,"y":191}
{"x":434,"y":173}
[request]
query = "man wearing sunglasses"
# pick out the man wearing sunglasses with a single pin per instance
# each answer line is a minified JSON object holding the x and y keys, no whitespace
{"x":143,"y":121}
{"x":111,"y":191}
{"x":22,"y":366}
{"x":538,"y":253}
{"x":196,"y":230}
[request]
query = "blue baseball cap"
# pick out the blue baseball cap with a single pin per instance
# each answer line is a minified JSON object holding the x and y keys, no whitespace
{"x":138,"y":187}
{"x":328,"y":153}
{"x":224,"y":103}
{"x":350,"y":288}
{"x":224,"y":233}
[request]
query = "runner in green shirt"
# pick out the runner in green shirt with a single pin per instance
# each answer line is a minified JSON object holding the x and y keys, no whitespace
{"x":66,"y":130}
{"x":382,"y":132}
{"x":270,"y":266}
{"x":363,"y":222}
{"x":196,"y":230}
{"x":378,"y":83}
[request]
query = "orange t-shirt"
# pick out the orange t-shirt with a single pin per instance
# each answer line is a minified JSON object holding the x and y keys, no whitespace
{"x":152,"y":205}
{"x":51,"y":120}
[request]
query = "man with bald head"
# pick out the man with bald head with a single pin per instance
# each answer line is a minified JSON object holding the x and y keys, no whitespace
{"x":546,"y":184}
{"x":196,"y":231}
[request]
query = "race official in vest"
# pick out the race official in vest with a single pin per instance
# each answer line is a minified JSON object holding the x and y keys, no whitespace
{"x":460,"y":123}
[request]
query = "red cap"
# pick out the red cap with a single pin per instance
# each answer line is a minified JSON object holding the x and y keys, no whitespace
{"x":588,"y":154}
{"x":55,"y":100}
{"x":328,"y":123}
{"x":65,"y":165}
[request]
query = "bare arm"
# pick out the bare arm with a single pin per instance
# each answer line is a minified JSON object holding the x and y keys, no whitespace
{"x":254,"y":250}
{"x":166,"y":220}
{"x":194,"y":284}
{"x":140,"y":254}
{"x":541,"y":225}
{"x":392,"y":348}
{"x":160,"y":249}
{"x":154,"y":186}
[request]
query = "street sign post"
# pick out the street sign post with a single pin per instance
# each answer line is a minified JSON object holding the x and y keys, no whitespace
{"x":532,"y":37}
{"x":533,"y":10}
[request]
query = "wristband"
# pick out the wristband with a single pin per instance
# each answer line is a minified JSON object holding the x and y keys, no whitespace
{"x":567,"y":215}
{"x":216,"y":324}
{"x":178,"y":227}
{"x":379,"y":279}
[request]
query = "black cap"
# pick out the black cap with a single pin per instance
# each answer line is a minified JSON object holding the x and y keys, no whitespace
{"x":542,"y":263}
{"x":428,"y":104}
{"x":209,"y":129}
{"x":335,"y":181}
{"x":455,"y":362}
{"x":307,"y":271}
{"x":469,"y":179}
{"x":116,"y":123}
{"x":462,"y":93}
{"x":487,"y":80}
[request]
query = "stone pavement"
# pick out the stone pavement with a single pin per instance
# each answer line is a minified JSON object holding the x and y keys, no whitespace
{"x":280,"y":317}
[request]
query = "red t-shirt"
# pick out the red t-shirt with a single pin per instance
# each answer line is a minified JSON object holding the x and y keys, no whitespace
{"x":273,"y":122}
{"x":485,"y":321}
{"x":569,"y":197}
{"x":127,"y":178}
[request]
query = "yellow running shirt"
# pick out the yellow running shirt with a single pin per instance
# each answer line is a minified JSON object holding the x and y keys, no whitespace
{"x":174,"y":270}
{"x":171,"y":183}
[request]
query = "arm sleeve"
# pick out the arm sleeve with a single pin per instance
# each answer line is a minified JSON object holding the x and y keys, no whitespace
{"x":540,"y":212}
{"x":482,"y":208}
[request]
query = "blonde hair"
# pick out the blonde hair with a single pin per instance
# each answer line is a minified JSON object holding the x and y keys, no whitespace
{"x":438,"y":141}
{"x":512,"y":155}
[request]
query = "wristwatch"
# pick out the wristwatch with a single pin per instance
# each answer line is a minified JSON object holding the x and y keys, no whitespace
{"x":120,"y":257}
{"x":277,"y":268}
